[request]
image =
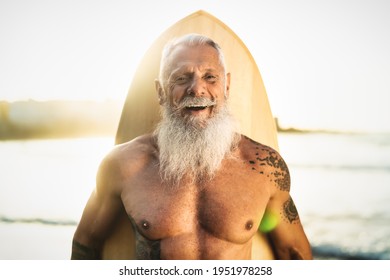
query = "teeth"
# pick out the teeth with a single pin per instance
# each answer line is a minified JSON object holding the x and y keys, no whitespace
{"x":196,"y":106}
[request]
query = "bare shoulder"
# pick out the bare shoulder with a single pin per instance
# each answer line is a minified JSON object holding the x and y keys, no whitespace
{"x":266,"y":161}
{"x":124,"y":160}
{"x":136,"y":149}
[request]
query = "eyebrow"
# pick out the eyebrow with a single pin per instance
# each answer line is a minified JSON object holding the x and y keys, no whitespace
{"x":185,"y":71}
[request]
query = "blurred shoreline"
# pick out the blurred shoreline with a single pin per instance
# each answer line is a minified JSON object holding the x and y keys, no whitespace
{"x":58,"y":119}
{"x":32,"y":119}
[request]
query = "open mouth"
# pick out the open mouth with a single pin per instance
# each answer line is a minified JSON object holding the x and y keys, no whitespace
{"x":196,"y":107}
{"x":196,"y":104}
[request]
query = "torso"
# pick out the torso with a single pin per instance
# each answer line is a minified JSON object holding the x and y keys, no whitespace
{"x":211,"y":220}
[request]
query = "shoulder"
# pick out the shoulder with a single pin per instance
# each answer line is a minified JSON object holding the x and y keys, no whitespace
{"x":250,"y":148}
{"x":267,"y":161}
{"x":126,"y":159}
{"x":135,"y":149}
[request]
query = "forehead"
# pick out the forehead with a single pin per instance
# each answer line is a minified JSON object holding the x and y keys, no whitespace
{"x":203,"y":55}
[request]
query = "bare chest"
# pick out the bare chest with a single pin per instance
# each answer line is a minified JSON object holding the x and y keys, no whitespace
{"x":228,"y":208}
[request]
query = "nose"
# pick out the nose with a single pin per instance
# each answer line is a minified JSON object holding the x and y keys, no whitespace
{"x":197,"y":87}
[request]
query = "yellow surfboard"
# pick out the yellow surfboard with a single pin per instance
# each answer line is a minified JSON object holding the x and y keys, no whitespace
{"x":248,"y":101}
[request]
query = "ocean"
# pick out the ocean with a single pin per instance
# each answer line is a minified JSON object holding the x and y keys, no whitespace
{"x":340,"y":185}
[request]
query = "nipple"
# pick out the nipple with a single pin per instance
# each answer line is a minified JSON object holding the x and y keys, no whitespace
{"x":249,"y":225}
{"x":145,"y":224}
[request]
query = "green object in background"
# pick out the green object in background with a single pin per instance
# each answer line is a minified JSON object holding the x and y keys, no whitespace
{"x":269,"y":222}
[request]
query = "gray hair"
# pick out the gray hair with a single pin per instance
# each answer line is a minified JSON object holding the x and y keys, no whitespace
{"x":190,"y":40}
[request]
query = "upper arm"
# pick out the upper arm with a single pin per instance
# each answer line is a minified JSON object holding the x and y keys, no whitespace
{"x":288,"y":237}
{"x":100,"y":213}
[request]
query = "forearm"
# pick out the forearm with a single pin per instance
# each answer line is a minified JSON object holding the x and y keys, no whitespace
{"x":294,"y":254}
{"x":82,"y":252}
{"x":300,"y":251}
{"x":290,"y":244}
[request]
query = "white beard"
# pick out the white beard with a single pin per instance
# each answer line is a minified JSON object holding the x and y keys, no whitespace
{"x":191,"y":149}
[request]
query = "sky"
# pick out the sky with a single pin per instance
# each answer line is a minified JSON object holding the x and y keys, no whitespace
{"x":325,"y":64}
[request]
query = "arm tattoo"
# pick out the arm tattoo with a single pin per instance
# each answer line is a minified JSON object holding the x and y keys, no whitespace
{"x":82,"y":252}
{"x":145,"y":249}
{"x":280,"y":174}
{"x":290,"y":212}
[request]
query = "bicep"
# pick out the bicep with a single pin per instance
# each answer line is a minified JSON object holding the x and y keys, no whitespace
{"x":288,"y":237}
{"x":99,"y":216}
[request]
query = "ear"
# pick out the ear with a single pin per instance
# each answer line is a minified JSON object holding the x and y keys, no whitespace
{"x":227,"y":85}
{"x":160,"y":92}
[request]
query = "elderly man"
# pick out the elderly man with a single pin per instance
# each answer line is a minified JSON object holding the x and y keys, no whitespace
{"x":195,"y":188}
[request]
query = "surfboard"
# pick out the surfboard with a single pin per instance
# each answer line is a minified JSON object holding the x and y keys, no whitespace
{"x":248,"y":101}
